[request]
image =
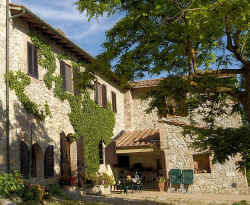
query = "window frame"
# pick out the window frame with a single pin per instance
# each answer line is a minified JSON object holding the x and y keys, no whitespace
{"x":114,"y":101}
{"x":64,"y":65}
{"x":32,"y":60}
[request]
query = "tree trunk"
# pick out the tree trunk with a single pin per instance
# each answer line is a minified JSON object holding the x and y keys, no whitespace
{"x":246,"y":99}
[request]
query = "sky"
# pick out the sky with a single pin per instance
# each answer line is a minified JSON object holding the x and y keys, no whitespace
{"x":89,"y":35}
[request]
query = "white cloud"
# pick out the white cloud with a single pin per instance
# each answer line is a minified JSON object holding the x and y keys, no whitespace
{"x":64,"y":15}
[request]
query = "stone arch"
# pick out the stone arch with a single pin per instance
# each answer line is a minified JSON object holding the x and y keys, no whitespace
{"x":24,"y":159}
{"x":37,"y":161}
{"x":49,"y":162}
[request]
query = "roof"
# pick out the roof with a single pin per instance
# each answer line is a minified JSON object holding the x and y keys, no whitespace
{"x":146,"y":83}
{"x":50,"y":31}
{"x":61,"y":39}
{"x":138,"y":138}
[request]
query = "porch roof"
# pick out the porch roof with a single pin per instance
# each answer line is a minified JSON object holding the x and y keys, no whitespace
{"x":138,"y":138}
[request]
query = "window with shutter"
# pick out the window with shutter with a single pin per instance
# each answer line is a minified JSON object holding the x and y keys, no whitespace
{"x":49,"y":162}
{"x":32,"y":60}
{"x":65,"y":72}
{"x":114,"y":102}
{"x":104,"y":96}
{"x":101,"y":152}
{"x":99,"y":87}
{"x":24,"y":160}
{"x":96,"y":92}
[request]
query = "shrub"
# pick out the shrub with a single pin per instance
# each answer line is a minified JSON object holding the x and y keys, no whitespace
{"x":67,"y":180}
{"x":52,"y":190}
{"x":105,"y":179}
{"x":240,"y":203}
{"x":33,"y":192}
{"x":11,"y":184}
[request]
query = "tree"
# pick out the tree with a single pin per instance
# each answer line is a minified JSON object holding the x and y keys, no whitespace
{"x":202,"y":46}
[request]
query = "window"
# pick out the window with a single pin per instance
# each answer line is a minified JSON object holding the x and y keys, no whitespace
{"x":32,"y":60}
{"x":104,"y":96}
{"x":201,"y":163}
{"x":100,"y":94}
{"x":101,"y":152}
{"x":49,"y":162}
{"x":65,"y":72}
{"x":114,"y":102}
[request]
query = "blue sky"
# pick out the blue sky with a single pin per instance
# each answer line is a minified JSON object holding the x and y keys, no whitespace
{"x":89,"y":35}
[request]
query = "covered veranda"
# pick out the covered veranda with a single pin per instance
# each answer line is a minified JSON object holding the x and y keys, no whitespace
{"x":139,"y":151}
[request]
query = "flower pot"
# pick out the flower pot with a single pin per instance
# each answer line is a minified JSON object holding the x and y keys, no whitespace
{"x":161,"y":186}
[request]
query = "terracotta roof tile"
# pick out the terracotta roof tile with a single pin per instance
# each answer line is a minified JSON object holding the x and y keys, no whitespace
{"x":137,"y":138}
{"x":146,"y":83}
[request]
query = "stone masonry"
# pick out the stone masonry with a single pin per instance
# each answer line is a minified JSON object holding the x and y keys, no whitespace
{"x":224,"y":178}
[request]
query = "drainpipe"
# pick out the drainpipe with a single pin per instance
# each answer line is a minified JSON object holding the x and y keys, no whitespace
{"x":7,"y":85}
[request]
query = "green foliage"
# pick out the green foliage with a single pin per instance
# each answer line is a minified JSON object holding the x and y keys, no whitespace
{"x":88,"y":119}
{"x":105,"y":179}
{"x":162,"y":180}
{"x":18,"y":82}
{"x":223,"y":143}
{"x":52,"y":190}
{"x":94,"y":123}
{"x":11,"y":184}
{"x":33,"y":192}
{"x":195,"y":39}
{"x":243,"y":202}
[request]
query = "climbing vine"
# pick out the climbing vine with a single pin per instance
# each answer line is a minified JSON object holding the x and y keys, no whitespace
{"x":88,"y":119}
{"x":18,"y":82}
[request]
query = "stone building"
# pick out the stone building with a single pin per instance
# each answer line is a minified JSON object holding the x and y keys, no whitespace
{"x":141,"y":141}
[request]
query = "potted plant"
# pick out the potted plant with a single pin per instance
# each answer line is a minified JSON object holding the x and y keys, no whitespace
{"x":161,"y":183}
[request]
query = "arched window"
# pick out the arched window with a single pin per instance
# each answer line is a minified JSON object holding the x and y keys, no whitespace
{"x":24,"y":160}
{"x":101,"y":151}
{"x":49,"y":162}
{"x":37,"y":161}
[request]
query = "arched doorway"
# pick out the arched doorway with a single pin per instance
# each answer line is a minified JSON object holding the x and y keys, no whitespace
{"x":49,"y":162}
{"x":24,"y":160}
{"x":37,"y":161}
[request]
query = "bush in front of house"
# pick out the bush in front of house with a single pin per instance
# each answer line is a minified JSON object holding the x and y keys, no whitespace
{"x":33,"y":192}
{"x":241,"y":203}
{"x":52,"y":190}
{"x":11,"y":184}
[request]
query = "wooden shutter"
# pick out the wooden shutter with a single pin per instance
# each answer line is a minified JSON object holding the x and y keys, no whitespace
{"x":68,"y":78}
{"x":24,"y":160}
{"x":99,"y":93}
{"x":49,"y":162}
{"x":110,"y":154}
{"x":32,"y":60}
{"x":96,"y":92}
{"x":104,"y":96}
{"x":35,"y":62}
{"x":29,"y":56}
{"x":114,"y":102}
{"x":62,"y":73}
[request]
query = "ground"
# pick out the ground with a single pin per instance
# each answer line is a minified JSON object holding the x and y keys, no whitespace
{"x":158,"y":198}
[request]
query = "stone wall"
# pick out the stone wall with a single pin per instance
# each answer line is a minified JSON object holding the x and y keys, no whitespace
{"x":2,"y":85}
{"x":179,"y":154}
{"x":23,"y":126}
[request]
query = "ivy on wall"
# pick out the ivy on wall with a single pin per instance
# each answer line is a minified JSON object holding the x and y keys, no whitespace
{"x":18,"y":82}
{"x":88,"y":119}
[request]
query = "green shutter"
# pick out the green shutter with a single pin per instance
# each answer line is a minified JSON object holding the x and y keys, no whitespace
{"x":188,"y":176}
{"x":175,"y":176}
